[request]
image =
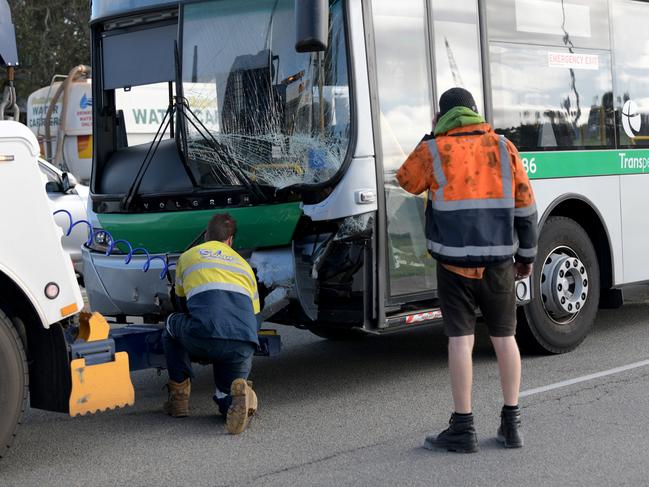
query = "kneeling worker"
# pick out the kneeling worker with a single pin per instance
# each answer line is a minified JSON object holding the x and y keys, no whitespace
{"x":217,"y":290}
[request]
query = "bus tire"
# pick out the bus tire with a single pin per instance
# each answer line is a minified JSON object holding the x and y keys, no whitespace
{"x":337,"y":333}
{"x":566,"y":275}
{"x":14,"y":384}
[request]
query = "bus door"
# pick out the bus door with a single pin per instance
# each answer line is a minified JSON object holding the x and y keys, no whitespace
{"x":422,"y":48}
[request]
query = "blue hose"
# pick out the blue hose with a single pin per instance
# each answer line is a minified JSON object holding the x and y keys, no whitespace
{"x":113,"y":243}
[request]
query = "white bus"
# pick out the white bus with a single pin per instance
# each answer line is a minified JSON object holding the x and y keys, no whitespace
{"x":302,"y":149}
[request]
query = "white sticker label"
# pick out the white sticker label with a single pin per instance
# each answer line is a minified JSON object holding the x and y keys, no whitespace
{"x":574,"y":61}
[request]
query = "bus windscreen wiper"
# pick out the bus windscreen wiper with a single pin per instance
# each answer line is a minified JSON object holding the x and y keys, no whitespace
{"x":128,"y":198}
{"x":224,"y":154}
{"x":179,"y":135}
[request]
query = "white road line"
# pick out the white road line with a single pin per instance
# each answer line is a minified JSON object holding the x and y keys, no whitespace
{"x":583,"y":378}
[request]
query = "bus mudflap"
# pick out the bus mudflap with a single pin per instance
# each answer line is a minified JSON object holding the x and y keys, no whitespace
{"x":100,"y":376}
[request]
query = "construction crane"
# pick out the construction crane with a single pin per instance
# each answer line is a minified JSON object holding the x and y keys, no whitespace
{"x":457,"y":79}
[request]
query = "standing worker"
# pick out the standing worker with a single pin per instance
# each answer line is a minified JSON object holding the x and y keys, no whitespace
{"x":481,"y":227}
{"x":217,"y":290}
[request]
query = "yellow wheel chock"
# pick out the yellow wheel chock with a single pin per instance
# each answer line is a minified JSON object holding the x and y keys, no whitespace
{"x":101,"y":378}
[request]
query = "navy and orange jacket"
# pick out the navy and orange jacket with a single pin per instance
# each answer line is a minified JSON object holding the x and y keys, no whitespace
{"x":481,"y":208}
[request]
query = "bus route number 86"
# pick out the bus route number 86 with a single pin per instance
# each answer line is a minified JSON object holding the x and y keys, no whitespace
{"x":529,"y":165}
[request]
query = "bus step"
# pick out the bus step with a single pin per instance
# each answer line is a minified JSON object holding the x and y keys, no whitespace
{"x":413,"y":318}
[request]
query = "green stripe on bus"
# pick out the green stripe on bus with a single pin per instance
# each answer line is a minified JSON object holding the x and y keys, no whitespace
{"x":567,"y":164}
{"x":257,"y":226}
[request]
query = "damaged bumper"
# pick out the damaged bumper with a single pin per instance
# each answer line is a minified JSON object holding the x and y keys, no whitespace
{"x":115,"y":288}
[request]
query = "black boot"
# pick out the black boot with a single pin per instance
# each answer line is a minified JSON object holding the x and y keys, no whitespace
{"x":510,"y":423}
{"x":459,"y":437}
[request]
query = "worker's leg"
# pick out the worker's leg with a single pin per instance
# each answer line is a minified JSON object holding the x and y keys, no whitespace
{"x":498,"y":304}
{"x":179,"y":365}
{"x":233,"y":362}
{"x":509,"y":365}
{"x":460,"y":363}
{"x":458,"y":308}
{"x":234,"y":396}
{"x":497,"y":300}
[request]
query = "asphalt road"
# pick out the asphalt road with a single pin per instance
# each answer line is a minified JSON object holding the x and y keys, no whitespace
{"x":357,"y":414}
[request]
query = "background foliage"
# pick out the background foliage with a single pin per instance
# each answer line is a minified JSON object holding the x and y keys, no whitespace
{"x":53,"y":36}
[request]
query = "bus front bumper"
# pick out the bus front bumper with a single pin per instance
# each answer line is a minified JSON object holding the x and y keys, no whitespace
{"x":116,"y":288}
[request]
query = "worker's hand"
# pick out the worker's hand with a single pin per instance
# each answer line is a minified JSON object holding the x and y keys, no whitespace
{"x":523,"y":270}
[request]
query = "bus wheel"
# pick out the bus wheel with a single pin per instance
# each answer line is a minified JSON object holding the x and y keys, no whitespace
{"x":337,"y":333}
{"x":13,"y":383}
{"x":565,"y":286}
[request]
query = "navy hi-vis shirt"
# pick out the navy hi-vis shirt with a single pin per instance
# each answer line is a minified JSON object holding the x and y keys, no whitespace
{"x":221,"y":292}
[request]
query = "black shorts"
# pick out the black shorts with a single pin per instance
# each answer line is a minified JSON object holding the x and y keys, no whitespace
{"x":494,"y":294}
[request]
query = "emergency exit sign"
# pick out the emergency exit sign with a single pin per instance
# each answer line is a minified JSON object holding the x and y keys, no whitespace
{"x":572,"y":60}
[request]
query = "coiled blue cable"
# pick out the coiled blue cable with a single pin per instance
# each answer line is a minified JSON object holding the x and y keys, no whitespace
{"x":113,"y":243}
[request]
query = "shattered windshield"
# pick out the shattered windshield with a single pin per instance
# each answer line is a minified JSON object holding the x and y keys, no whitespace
{"x":276,"y":117}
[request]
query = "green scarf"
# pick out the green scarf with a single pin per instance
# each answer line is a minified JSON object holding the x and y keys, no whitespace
{"x":457,"y":117}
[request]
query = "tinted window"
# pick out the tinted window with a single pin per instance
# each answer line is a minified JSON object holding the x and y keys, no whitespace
{"x":578,"y":23}
{"x":550,"y":98}
{"x":138,"y":57}
{"x":457,"y":47}
{"x":631,"y":44}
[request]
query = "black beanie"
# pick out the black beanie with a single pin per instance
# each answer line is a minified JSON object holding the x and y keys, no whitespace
{"x":456,"y":97}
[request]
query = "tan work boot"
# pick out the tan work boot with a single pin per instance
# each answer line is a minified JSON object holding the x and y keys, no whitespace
{"x":178,"y":403}
{"x":243,"y":407}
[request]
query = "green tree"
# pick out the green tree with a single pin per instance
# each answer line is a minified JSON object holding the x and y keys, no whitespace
{"x":53,"y":36}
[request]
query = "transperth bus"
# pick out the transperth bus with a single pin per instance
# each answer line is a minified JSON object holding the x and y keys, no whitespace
{"x":301,"y":148}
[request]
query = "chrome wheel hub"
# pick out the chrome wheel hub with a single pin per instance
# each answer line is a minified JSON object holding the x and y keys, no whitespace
{"x":564,"y":285}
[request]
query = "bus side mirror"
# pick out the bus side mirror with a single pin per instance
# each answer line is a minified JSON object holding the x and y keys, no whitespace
{"x":311,"y":25}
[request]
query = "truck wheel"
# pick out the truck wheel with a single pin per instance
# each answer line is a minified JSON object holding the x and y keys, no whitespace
{"x":13,"y":383}
{"x":565,"y":286}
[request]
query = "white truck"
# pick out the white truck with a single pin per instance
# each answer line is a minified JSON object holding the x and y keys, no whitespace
{"x":61,"y":363}
{"x":40,"y":356}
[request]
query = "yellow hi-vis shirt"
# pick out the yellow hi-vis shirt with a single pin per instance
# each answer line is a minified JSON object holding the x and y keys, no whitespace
{"x":221,"y":292}
{"x":215,"y":266}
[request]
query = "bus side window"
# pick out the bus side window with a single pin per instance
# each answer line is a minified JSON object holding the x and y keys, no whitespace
{"x":551,"y":74}
{"x":457,"y":47}
{"x":631,"y":72}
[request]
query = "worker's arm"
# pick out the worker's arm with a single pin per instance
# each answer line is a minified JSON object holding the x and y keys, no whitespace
{"x":254,"y":292}
{"x":179,"y":297}
{"x":416,"y":174}
{"x":525,"y":214}
{"x":181,"y":304}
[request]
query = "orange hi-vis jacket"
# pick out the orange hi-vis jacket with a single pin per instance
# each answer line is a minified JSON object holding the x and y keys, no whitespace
{"x":480,"y":208}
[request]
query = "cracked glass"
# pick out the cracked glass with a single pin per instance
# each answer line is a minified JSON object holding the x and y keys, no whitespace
{"x":266,"y":114}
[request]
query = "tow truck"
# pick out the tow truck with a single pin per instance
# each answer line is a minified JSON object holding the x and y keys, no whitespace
{"x":52,"y":352}
{"x":62,"y":358}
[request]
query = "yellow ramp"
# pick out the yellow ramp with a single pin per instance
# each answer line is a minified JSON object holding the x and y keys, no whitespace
{"x":99,"y":387}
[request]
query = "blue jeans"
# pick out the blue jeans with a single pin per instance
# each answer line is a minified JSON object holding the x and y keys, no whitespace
{"x":231,"y":359}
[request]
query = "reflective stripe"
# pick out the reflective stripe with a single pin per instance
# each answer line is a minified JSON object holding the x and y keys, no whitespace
{"x":506,"y":168}
{"x":477,"y":204}
{"x":215,"y":265}
{"x":219,"y":286}
{"x":437,"y":169}
{"x":167,"y":323}
{"x":527,"y":252}
{"x":494,"y":250}
{"x":179,"y":281}
{"x":525,"y":211}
